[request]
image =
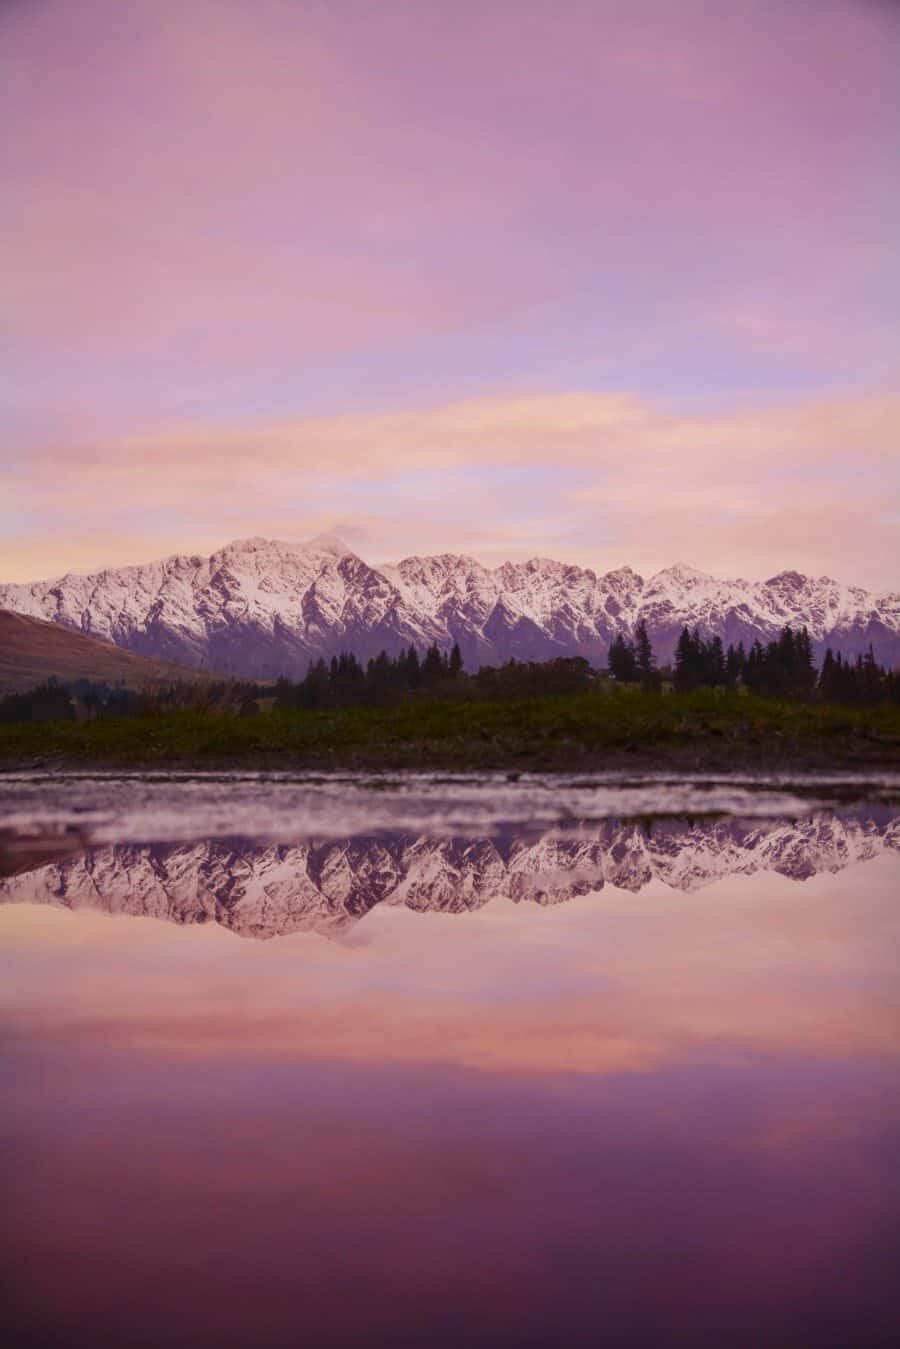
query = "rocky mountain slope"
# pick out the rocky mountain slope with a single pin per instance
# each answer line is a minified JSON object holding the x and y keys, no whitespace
{"x":263,"y":608}
{"x":270,"y":890}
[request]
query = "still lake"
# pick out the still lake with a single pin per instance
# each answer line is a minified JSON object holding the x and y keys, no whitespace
{"x":450,"y":1061}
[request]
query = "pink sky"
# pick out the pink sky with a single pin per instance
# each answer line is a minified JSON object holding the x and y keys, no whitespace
{"x":607,"y":282}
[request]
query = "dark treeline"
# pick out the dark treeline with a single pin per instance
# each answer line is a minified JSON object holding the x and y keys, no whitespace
{"x":634,"y":662}
{"x":48,"y":702}
{"x":88,"y":700}
{"x":859,"y":681}
{"x":345,"y":682}
{"x":342,"y":682}
{"x":784,"y":668}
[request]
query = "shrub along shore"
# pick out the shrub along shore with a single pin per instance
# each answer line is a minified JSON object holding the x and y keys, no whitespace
{"x":606,"y":727}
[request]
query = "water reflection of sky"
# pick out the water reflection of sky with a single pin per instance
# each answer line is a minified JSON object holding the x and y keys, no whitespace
{"x":601,"y":983}
{"x":654,"y":1117}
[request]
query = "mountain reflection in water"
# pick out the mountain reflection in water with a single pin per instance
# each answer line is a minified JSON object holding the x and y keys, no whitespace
{"x":667,"y":1112}
{"x":270,"y":890}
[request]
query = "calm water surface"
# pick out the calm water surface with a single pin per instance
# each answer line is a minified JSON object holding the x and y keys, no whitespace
{"x":450,"y":1062}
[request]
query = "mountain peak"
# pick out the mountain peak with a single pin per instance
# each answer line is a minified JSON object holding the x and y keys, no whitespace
{"x":263,"y":608}
{"x":793,"y":580}
{"x":623,"y":576}
{"x":683,"y":574}
{"x":319,"y":543}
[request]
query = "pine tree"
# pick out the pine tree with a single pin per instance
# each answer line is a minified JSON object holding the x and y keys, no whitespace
{"x":735,"y":664}
{"x":754,"y":673}
{"x":716,"y":662}
{"x":805,"y":665}
{"x":432,"y":667}
{"x":646,"y":665}
{"x":411,"y":669}
{"x":872,"y":676}
{"x":621,"y":660}
{"x":684,"y":662}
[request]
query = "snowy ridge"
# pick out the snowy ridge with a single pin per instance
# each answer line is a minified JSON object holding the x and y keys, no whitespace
{"x":263,"y":608}
{"x":270,"y":890}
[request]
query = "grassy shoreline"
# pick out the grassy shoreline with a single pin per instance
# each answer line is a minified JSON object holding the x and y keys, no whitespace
{"x":699,"y":731}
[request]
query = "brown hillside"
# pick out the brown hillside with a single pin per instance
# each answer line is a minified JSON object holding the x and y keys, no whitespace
{"x":32,"y":650}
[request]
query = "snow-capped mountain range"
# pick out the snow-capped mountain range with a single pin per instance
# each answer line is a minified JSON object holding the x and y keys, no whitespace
{"x":262,"y":608}
{"x":267,"y":890}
